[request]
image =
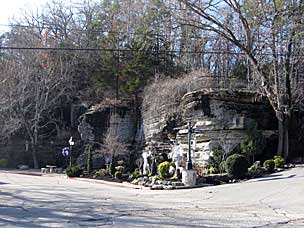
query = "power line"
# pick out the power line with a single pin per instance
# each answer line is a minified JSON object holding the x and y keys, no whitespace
{"x":137,"y":50}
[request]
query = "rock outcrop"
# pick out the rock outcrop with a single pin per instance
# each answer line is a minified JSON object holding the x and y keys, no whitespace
{"x":119,"y":115}
{"x":219,"y":118}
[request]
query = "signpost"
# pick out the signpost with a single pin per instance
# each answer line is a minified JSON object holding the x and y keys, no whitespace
{"x":189,"y":175}
{"x":189,"y":160}
{"x":190,"y":132}
{"x":72,"y":143}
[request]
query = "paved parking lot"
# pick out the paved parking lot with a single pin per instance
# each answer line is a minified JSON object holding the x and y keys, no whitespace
{"x":40,"y":201}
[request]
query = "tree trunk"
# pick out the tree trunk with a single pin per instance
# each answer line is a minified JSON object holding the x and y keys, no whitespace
{"x":34,"y":154}
{"x":283,"y":143}
{"x":286,"y":137}
{"x":281,"y":138}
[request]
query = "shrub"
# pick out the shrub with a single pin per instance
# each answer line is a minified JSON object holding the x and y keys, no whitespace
{"x":163,"y":169}
{"x":236,"y":165}
{"x":253,"y":144}
{"x":74,"y":171}
{"x":165,"y":95}
{"x":3,"y":163}
{"x":118,"y":175}
{"x":255,"y":170}
{"x":102,"y":172}
{"x":173,"y":164}
{"x":135,"y":174}
{"x":269,"y":165}
{"x":121,"y":162}
{"x":279,"y":162}
{"x":119,"y":168}
{"x":217,"y":159}
{"x":211,"y":170}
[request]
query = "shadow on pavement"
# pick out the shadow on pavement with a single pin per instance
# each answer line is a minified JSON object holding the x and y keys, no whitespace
{"x":62,"y":211}
{"x":276,"y":177}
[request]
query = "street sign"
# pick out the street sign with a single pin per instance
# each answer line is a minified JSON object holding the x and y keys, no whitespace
{"x":66,"y":151}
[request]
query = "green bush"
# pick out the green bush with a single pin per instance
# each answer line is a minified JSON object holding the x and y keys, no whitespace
{"x":279,"y":162}
{"x":236,"y":165}
{"x":163,"y":169}
{"x":217,"y":159}
{"x":102,"y":172}
{"x":118,"y":175}
{"x":173,"y":164}
{"x":3,"y":163}
{"x":255,"y":170}
{"x":211,"y":170}
{"x":74,"y":171}
{"x":269,"y":165}
{"x":135,"y":174}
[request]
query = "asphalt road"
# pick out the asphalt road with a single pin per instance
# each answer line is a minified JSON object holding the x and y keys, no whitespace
{"x":34,"y":201}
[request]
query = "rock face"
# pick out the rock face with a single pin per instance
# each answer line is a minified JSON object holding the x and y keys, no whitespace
{"x":219,"y":118}
{"x":117,"y":115}
{"x":123,"y":120}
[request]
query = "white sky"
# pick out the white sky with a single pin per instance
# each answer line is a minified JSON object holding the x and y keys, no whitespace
{"x":13,"y":9}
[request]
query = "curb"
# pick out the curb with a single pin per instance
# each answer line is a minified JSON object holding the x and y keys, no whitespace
{"x":123,"y":184}
{"x":133,"y":186}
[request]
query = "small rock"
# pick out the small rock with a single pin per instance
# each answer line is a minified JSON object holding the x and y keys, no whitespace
{"x":289,"y":165}
{"x":168,"y":187}
{"x":164,"y":182}
{"x":157,"y":187}
{"x":158,"y":182}
{"x":148,"y":185}
{"x":153,"y":180}
{"x":176,"y":183}
{"x":135,"y":181}
{"x":145,"y":178}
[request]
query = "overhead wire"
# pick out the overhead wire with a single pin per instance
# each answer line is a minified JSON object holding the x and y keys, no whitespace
{"x":138,"y":50}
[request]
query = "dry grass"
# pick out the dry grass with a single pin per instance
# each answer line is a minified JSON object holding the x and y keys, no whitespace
{"x":164,"y":96}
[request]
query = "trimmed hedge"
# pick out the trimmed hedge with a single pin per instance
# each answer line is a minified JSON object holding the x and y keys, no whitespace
{"x":163,"y":169}
{"x":279,"y":162}
{"x":236,"y":166}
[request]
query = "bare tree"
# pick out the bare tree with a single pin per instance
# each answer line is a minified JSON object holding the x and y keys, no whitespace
{"x":112,"y":145}
{"x":29,"y":97}
{"x":270,"y":38}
